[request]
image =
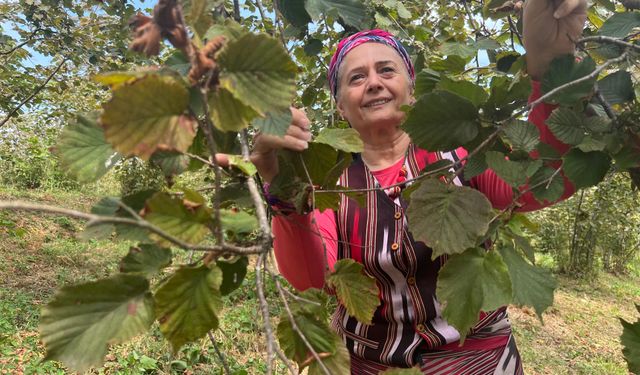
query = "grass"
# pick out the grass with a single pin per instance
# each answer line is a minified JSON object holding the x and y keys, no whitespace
{"x":39,"y":254}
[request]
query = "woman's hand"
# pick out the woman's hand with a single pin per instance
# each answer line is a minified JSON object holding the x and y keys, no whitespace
{"x":264,"y":150}
{"x":551,"y":28}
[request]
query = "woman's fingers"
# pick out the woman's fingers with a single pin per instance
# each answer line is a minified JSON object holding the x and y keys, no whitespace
{"x":567,"y":7}
{"x":299,"y":118}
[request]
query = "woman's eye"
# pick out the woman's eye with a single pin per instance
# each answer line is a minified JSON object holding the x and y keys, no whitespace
{"x":356,"y":77}
{"x":387,"y":69}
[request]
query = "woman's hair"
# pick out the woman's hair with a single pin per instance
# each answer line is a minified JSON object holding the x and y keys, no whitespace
{"x":351,"y":42}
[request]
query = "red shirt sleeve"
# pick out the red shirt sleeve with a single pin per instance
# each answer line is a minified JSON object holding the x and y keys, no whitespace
{"x":499,"y":192}
{"x":299,"y":249}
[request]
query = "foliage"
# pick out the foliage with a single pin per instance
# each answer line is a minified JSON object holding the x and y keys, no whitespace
{"x":235,"y":77}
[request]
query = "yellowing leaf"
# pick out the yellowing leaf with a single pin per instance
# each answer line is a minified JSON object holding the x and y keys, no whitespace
{"x":259,"y":72}
{"x":187,"y":304}
{"x":357,"y":292}
{"x":448,"y":218}
{"x":83,"y":150}
{"x":469,"y":282}
{"x":148,"y":115}
{"x":81,"y":321}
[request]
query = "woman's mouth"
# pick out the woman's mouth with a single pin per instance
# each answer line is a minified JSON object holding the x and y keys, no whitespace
{"x":376,"y":103}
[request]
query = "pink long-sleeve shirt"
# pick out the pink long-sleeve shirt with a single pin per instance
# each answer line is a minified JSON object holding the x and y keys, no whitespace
{"x":298,"y":239}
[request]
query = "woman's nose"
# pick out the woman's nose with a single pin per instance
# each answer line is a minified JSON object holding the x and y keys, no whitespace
{"x":374,"y":83}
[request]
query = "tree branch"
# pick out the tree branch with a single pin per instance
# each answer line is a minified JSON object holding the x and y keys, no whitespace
{"x":236,"y":11}
{"x":223,"y":360}
{"x":94,"y":220}
{"x":264,"y":308}
{"x":29,"y":39}
{"x":609,"y":40}
{"x":296,"y":329}
{"x":592,"y":75}
{"x":37,"y":90}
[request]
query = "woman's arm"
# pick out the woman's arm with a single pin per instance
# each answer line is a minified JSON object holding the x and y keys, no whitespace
{"x":300,"y":245}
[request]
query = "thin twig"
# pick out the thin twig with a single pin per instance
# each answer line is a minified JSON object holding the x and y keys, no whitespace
{"x":276,"y":20}
{"x":514,"y":30}
{"x":256,"y":197}
{"x":263,"y":17}
{"x":29,"y":39}
{"x":223,"y":360}
{"x":264,"y":308}
{"x":35,"y":92}
{"x":609,"y":40}
{"x":94,"y":220}
{"x":592,"y":75}
{"x":206,"y":125}
{"x":294,"y":326}
{"x":607,"y":107}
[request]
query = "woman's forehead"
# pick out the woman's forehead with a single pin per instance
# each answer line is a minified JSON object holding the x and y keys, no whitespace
{"x":370,"y":53}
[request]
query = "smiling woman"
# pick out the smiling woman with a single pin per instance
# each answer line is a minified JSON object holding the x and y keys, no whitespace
{"x":371,"y":79}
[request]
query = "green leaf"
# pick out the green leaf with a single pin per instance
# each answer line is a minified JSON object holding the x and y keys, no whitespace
{"x":564,"y":70}
{"x":149,"y":115}
{"x":258,"y":71}
{"x":442,"y":121}
{"x":585,"y":169}
{"x":172,"y":163}
{"x":178,"y":217}
{"x":274,"y":123}
{"x":426,"y":81}
{"x":81,"y":321}
{"x":347,"y":140}
{"x":238,"y":221}
{"x":313,"y":47}
{"x":353,"y":12}
{"x":630,"y":340}
{"x":187,"y":304}
{"x":198,"y":14}
{"x":566,"y":125}
{"x":514,"y":173}
{"x":547,"y":191}
{"x":470,"y":282}
{"x":83,"y":150}
{"x":475,"y":166}
{"x":617,"y":88}
{"x":532,"y":286}
{"x":339,"y":362}
{"x":458,"y":49}
{"x":145,"y":259}
{"x":233,"y":273}
{"x":590,"y":143}
{"x":246,"y":167}
{"x":506,"y":95}
{"x":357,"y":292}
{"x":316,"y":331}
{"x":620,"y":25}
{"x":468,"y":90}
{"x":294,"y":11}
{"x":522,"y":135}
{"x":228,"y":113}
{"x":448,"y":218}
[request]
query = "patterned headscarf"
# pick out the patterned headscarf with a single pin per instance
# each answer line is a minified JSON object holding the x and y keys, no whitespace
{"x":347,"y":44}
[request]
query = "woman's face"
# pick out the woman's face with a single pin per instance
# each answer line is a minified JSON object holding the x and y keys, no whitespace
{"x":373,"y":84}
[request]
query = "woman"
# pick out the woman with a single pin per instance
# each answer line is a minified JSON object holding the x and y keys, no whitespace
{"x":371,"y":78}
